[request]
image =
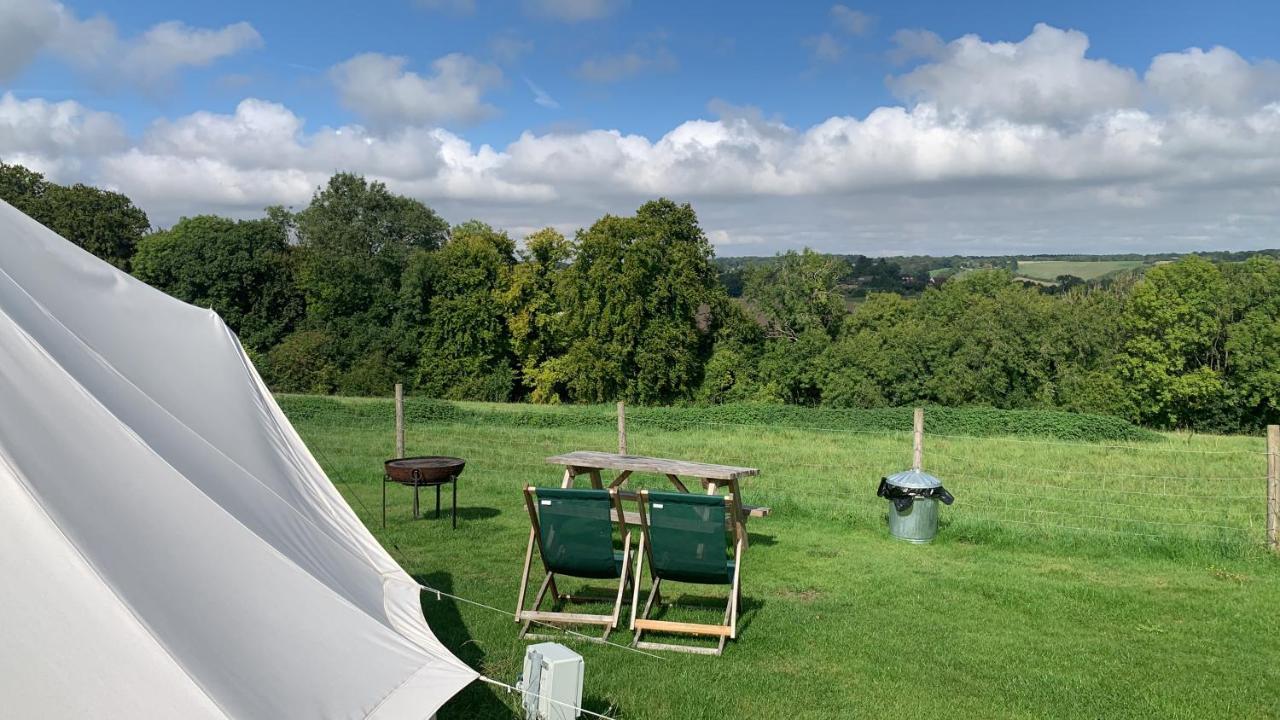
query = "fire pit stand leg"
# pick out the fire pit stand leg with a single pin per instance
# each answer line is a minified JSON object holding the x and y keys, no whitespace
{"x":384,"y":502}
{"x":454,"y":482}
{"x":415,"y":501}
{"x":437,"y":502}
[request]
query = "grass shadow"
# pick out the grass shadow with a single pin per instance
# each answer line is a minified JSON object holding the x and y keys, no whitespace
{"x":477,"y":699}
{"x":477,"y":513}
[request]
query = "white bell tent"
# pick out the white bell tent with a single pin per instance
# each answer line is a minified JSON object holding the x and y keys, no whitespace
{"x":169,"y":548}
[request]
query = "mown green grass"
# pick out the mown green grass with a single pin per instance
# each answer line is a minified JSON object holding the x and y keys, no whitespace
{"x":1083,"y":269}
{"x":1148,"y":610}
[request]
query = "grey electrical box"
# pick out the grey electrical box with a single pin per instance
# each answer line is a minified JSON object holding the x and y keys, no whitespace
{"x":551,"y":684}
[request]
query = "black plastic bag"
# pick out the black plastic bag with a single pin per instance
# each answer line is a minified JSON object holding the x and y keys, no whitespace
{"x":902,"y":497}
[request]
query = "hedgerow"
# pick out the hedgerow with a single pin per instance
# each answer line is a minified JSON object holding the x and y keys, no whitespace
{"x":977,"y":422}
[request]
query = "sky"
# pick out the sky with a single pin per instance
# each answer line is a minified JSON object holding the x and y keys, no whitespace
{"x":881,"y":128}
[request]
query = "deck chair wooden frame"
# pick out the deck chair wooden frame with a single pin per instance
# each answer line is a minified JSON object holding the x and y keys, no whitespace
{"x":640,"y":622}
{"x":555,"y":618}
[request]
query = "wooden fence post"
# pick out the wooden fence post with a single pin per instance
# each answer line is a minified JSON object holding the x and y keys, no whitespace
{"x":622,"y":428}
{"x":399,"y":420}
{"x":1273,"y":487}
{"x":917,"y":442}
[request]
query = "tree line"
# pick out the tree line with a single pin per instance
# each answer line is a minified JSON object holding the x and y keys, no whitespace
{"x":364,"y":288}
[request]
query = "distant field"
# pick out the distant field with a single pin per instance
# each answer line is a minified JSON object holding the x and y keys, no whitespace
{"x":1070,"y":579}
{"x":1085,"y":270}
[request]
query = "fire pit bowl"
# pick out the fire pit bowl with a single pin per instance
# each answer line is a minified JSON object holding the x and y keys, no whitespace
{"x":425,"y":470}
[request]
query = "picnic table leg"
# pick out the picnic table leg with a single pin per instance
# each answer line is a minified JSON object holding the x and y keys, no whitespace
{"x":743,"y":515}
{"x":740,"y":521}
{"x":679,"y":485}
{"x":595,"y":480}
{"x":567,"y":482}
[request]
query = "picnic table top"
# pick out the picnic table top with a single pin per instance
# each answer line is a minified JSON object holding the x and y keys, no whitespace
{"x":639,"y":463}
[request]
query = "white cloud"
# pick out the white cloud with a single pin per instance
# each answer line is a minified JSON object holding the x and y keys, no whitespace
{"x":642,"y":57}
{"x":1218,"y":80}
{"x":541,"y":97}
{"x":1015,"y":174}
{"x":26,"y":26}
{"x":824,"y":47}
{"x":573,"y":10}
{"x":854,"y":22}
{"x":166,"y":48}
{"x":94,"y":46}
{"x":56,"y":138}
{"x":378,"y":88}
{"x":508,"y":47}
{"x":1043,"y":78}
{"x":913,"y":44}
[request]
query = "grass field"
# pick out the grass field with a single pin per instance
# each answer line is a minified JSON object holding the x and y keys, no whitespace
{"x":1085,"y":269}
{"x":1121,"y":579}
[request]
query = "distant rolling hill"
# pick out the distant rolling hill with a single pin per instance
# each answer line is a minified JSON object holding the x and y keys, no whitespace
{"x":1084,"y":269}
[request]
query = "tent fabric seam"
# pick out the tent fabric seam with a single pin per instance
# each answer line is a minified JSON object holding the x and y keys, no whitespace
{"x":115,"y":371}
{"x":358,"y":556}
{"x":124,"y":604}
{"x":418,"y":671}
{"x":130,"y":432}
{"x":199,"y":429}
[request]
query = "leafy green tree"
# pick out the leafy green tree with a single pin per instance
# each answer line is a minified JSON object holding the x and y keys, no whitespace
{"x":532,"y":310}
{"x":103,"y":222}
{"x":641,"y":307}
{"x":797,"y":293}
{"x":303,"y":362}
{"x":466,"y":345}
{"x":1174,"y":353}
{"x":800,"y":310}
{"x":355,"y":241}
{"x":240,"y":268}
{"x":879,"y":356}
{"x":1253,"y":334}
{"x":732,"y":373}
{"x":20,"y":187}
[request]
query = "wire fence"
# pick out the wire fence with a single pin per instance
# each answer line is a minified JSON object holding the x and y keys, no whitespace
{"x":1178,"y":489}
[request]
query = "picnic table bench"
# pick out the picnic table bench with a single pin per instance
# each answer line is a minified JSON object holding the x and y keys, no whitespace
{"x":712,"y":477}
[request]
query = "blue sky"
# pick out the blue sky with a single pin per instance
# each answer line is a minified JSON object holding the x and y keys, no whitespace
{"x":769,"y":78}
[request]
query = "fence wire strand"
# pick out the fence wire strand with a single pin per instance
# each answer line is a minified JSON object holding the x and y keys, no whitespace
{"x":1173,"y":503}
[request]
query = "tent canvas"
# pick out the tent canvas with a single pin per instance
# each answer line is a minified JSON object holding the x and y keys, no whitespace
{"x":168,"y":545}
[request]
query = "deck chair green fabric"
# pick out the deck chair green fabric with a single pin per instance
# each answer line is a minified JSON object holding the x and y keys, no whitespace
{"x":688,"y":538}
{"x":573,"y":531}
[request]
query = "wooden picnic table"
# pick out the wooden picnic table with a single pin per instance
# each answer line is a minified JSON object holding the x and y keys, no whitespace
{"x":712,"y":477}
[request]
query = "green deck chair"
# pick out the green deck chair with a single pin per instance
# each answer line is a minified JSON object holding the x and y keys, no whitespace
{"x":685,"y":538}
{"x":573,"y":531}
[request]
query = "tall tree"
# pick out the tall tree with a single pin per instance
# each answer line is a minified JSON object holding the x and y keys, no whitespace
{"x":103,"y":222}
{"x":800,"y":309}
{"x":466,"y":346}
{"x":641,"y":304}
{"x":532,"y":310}
{"x":242,"y":269}
{"x":355,"y":241}
{"x":1174,"y":353}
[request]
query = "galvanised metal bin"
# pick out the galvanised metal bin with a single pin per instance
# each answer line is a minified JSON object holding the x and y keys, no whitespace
{"x":913,"y":497}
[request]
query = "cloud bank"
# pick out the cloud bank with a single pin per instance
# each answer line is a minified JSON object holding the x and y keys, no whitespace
{"x":996,"y":147}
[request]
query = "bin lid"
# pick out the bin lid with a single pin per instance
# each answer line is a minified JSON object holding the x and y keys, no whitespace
{"x":914,"y":479}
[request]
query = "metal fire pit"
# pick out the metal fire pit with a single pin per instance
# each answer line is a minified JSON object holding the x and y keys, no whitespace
{"x":419,"y":471}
